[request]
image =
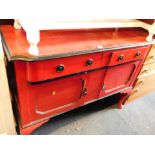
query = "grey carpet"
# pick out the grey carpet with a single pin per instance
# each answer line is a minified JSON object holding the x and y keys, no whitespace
{"x":137,"y":117}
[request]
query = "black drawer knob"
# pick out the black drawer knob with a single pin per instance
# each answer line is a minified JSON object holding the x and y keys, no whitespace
{"x":138,"y":54}
{"x":121,"y":57}
{"x":60,"y":68}
{"x":89,"y":62}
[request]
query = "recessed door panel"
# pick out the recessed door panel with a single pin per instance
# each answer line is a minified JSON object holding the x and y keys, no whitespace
{"x":95,"y":79}
{"x":118,"y":77}
{"x":58,"y":94}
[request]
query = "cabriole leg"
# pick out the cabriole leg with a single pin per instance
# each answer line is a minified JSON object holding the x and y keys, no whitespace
{"x":123,"y":97}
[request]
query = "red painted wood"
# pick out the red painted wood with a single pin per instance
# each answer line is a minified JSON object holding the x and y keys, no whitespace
{"x":31,"y":109}
{"x":95,"y":80}
{"x":44,"y":70}
{"x":43,"y":100}
{"x":51,"y":98}
{"x":48,"y":99}
{"x":123,"y":97}
{"x":70,"y":41}
{"x":58,"y":94}
{"x":118,"y":77}
{"x":148,"y":21}
{"x":30,"y":129}
{"x":128,"y":55}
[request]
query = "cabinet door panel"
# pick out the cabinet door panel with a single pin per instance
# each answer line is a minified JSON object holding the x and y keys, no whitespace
{"x":118,"y":77}
{"x":95,"y":79}
{"x":58,"y":94}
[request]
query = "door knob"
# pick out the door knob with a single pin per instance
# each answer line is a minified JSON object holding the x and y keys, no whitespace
{"x":153,"y":57}
{"x":60,"y":68}
{"x":85,"y":92}
{"x":104,"y":87}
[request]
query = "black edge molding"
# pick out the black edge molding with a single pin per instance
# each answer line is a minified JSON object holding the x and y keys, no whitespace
{"x":78,"y":73}
{"x":61,"y":55}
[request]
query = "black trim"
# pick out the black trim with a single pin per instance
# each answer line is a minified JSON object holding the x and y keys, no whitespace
{"x":6,"y":49}
{"x":83,"y":72}
{"x":65,"y":76}
{"x":62,"y":55}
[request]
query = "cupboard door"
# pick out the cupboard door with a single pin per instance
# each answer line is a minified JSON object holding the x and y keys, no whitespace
{"x":118,"y":77}
{"x":95,"y":79}
{"x":59,"y":94}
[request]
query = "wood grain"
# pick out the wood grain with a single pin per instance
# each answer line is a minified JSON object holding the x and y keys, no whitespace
{"x":70,"y":41}
{"x":146,"y":78}
{"x":7,"y":124}
{"x":151,"y":56}
{"x":144,"y":86}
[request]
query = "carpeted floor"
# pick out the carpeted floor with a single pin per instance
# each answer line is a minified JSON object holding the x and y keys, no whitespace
{"x":137,"y":117}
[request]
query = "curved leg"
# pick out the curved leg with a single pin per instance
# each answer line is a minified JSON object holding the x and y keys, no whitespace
{"x":123,"y":97}
{"x":30,"y":129}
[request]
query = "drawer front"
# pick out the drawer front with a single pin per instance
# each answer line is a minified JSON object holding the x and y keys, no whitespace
{"x":44,"y":70}
{"x":123,"y":56}
{"x":143,"y":86}
{"x":151,"y":56}
{"x":147,"y":70}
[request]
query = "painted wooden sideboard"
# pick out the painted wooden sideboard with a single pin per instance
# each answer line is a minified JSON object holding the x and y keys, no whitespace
{"x":73,"y":68}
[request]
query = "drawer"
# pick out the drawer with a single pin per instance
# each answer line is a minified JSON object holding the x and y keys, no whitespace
{"x":147,"y":70}
{"x":123,"y":56}
{"x":143,"y":86}
{"x":151,"y":56}
{"x":44,"y":70}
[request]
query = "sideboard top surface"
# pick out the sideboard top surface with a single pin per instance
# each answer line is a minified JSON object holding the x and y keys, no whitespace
{"x":62,"y":43}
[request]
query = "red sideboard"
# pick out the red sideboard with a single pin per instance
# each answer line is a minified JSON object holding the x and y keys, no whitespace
{"x":73,"y":68}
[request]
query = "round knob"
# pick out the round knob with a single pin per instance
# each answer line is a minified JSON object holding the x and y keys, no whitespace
{"x":142,"y":81}
{"x":89,"y":62}
{"x":60,"y":68}
{"x":121,"y":57}
{"x":153,"y":57}
{"x":138,"y":53}
{"x":137,"y":90}
{"x":146,"y":70}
